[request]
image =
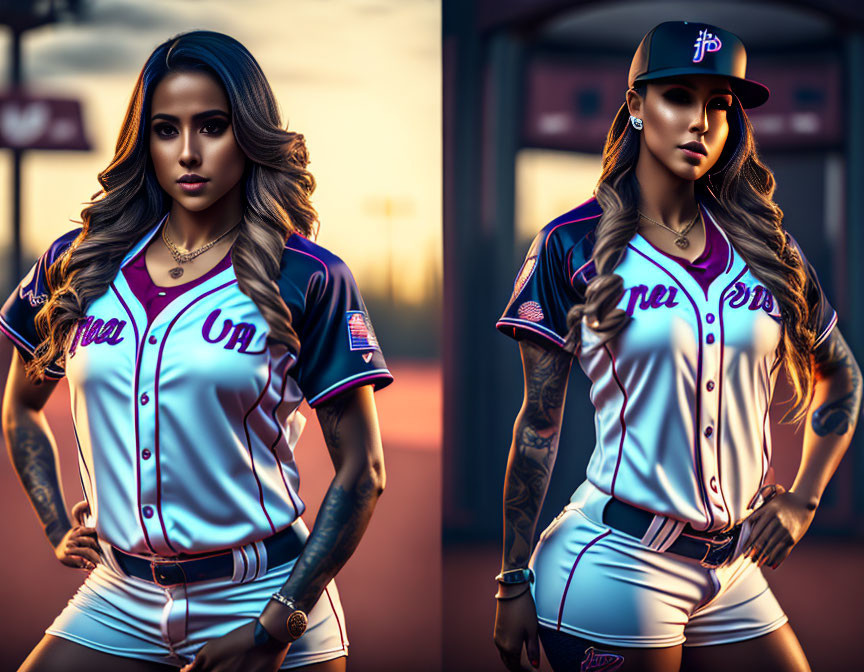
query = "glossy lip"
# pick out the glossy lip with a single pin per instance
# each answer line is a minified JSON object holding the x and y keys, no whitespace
{"x":694,"y":150}
{"x":192,"y":178}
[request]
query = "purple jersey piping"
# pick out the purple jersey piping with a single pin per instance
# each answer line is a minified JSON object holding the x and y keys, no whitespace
{"x":20,"y":341}
{"x":697,"y":455}
{"x":718,"y":442}
{"x":620,"y":417}
{"x":827,"y":331}
{"x":347,"y":383}
{"x":516,"y":323}
{"x":249,"y":444}
{"x":573,"y":569}
{"x":279,"y":434}
{"x":138,"y":351}
{"x":326,"y":270}
{"x":156,"y":396}
{"x":338,"y":622}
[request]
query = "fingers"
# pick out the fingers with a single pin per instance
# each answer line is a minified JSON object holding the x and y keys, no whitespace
{"x":775,"y":544}
{"x":532,"y":648}
{"x":80,"y":511}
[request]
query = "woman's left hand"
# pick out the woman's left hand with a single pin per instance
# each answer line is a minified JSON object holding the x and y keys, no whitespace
{"x":776,"y":527}
{"x":236,"y":651}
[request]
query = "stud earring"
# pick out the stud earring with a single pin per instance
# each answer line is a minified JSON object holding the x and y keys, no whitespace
{"x":637,"y":123}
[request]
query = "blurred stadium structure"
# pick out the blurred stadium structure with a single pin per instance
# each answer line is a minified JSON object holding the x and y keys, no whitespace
{"x":530,"y":90}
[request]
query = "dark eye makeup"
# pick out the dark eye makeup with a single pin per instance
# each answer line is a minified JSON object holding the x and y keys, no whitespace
{"x":213,"y":126}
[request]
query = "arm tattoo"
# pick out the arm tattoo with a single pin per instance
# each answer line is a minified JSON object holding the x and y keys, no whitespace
{"x":535,"y":443}
{"x":838,"y":415}
{"x":340,"y":524}
{"x":33,"y":457}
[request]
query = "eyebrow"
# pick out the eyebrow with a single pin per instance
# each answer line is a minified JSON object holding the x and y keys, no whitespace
{"x":195,"y":117}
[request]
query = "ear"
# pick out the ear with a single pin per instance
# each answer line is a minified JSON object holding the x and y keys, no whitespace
{"x":634,"y":103}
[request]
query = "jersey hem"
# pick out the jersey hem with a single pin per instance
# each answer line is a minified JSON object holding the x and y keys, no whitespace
{"x":524,"y":325}
{"x":380,"y":377}
{"x":741,"y":636}
{"x":634,"y":642}
{"x":26,"y":348}
{"x":824,"y":335}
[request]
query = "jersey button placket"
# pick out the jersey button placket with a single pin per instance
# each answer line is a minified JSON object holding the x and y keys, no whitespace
{"x":147,"y":448}
{"x":710,"y":406}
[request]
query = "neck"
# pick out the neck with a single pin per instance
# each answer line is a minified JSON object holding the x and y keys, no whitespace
{"x":663,"y":195}
{"x":191,"y":229}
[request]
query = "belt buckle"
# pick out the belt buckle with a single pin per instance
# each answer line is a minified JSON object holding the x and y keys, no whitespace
{"x":161,"y":576}
{"x":720,"y":550}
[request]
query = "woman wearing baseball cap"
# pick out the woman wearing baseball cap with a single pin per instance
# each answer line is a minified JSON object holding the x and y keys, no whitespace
{"x":680,"y":294}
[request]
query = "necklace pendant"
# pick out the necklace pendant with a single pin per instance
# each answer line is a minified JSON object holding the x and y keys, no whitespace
{"x":682,"y":242}
{"x":175,"y":272}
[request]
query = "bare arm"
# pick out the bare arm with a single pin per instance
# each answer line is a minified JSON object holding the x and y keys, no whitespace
{"x":534,"y":447}
{"x":831,"y":420}
{"x":32,"y":448}
{"x":350,"y":426}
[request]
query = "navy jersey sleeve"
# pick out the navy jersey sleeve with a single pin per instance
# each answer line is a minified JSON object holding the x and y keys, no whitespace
{"x":544,"y":291}
{"x":823,"y":317}
{"x":338,"y":347}
{"x":17,"y":317}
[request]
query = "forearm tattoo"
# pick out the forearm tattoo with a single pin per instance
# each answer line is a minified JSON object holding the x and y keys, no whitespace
{"x":839,"y":414}
{"x":535,"y":442}
{"x":34,"y":460}
{"x":340,"y":524}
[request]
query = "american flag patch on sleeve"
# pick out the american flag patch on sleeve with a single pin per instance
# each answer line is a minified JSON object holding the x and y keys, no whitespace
{"x":360,"y":333}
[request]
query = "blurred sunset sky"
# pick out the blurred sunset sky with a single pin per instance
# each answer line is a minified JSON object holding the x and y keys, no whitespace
{"x":361,"y":79}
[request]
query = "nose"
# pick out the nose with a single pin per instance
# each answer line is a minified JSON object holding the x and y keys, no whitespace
{"x":699,"y":123}
{"x":189,"y":153}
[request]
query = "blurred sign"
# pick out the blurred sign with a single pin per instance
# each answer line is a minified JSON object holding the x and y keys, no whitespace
{"x":37,"y":122}
{"x":571,"y":105}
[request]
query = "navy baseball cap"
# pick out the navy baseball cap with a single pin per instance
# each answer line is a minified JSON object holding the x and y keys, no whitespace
{"x":687,"y":48}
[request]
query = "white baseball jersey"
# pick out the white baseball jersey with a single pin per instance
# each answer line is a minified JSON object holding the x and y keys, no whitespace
{"x":183,"y":443}
{"x":681,"y":394}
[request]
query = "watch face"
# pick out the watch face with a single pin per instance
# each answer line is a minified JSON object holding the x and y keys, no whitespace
{"x":297,"y":624}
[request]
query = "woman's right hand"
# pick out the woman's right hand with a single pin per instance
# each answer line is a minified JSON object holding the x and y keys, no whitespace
{"x":79,"y":546}
{"x":515,"y":627}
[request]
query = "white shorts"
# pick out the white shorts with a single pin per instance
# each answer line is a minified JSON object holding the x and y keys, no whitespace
{"x":605,"y":586}
{"x":125,"y":616}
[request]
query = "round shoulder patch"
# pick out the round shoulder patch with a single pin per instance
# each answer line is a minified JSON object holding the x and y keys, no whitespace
{"x":531,"y":311}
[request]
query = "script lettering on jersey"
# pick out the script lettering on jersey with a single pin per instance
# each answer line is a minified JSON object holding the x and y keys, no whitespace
{"x":95,"y":330}
{"x":660,"y":296}
{"x":240,"y":333}
{"x":754,"y":297}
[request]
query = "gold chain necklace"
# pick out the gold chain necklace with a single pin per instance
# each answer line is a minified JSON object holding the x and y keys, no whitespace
{"x":181,"y":257}
{"x":681,"y":236}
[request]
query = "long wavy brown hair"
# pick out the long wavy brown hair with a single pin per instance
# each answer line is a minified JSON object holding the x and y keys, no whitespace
{"x":739,"y":190}
{"x":277,"y":195}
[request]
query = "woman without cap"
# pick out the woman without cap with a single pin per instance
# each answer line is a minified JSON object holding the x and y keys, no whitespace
{"x":191,"y":315}
{"x":680,"y":294}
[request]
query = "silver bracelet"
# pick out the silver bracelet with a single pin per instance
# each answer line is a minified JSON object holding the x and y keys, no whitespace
{"x":515,"y":576}
{"x":288,"y":602}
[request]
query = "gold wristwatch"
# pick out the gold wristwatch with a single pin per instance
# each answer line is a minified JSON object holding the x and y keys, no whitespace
{"x":297,"y":619}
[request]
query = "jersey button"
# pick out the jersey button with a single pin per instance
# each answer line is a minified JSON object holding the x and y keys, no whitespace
{"x":152,"y":340}
{"x":163,"y":294}
{"x":144,"y":399}
{"x":709,"y":318}
{"x":710,"y":338}
{"x":145,"y":454}
{"x":710,"y":385}
{"x":709,"y":431}
{"x":148,"y":511}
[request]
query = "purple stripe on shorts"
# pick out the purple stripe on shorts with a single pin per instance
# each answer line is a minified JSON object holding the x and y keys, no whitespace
{"x":570,"y":578}
{"x":338,"y":622}
{"x":697,"y":456}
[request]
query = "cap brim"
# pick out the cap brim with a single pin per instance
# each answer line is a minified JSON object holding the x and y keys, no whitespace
{"x":750,"y":93}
